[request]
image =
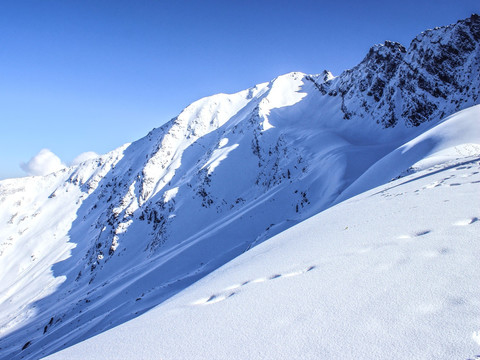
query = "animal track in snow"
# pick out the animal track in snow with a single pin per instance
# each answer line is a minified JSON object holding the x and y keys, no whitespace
{"x":476,"y":337}
{"x":468,"y":175}
{"x":432,"y":185}
{"x":466,"y":222}
{"x":436,"y":253}
{"x":214,"y":299}
{"x":415,"y":234}
{"x":422,"y":232}
{"x":443,"y":182}
{"x":228,"y":292}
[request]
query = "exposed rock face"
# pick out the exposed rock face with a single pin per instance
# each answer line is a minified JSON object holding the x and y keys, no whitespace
{"x":437,"y":75}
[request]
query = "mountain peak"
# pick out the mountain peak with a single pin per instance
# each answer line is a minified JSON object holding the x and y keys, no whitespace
{"x":326,"y":75}
{"x":383,"y":50}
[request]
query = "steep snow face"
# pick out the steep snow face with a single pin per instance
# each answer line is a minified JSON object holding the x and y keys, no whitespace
{"x":358,"y":281}
{"x":456,"y":136}
{"x":196,"y":121}
{"x":92,"y":246}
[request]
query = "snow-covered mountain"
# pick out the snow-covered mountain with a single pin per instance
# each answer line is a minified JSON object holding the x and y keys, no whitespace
{"x":438,"y":74}
{"x":93,"y":246}
{"x":389,"y":274}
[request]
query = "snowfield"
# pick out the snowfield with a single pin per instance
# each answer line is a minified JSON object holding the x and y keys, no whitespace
{"x":391,"y":273}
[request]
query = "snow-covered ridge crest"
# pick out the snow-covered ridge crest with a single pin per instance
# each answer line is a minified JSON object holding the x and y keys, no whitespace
{"x":92,"y":246}
{"x":435,"y":76}
{"x":209,"y":114}
{"x":197,"y":120}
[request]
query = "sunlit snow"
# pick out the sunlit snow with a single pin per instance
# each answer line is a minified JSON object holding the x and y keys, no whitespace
{"x":308,"y":217}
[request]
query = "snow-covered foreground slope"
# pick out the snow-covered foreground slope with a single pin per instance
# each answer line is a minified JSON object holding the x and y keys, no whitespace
{"x":93,"y":246}
{"x":391,"y":273}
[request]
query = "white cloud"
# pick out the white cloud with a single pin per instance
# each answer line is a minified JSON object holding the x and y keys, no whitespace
{"x":84,"y":157}
{"x":44,"y":163}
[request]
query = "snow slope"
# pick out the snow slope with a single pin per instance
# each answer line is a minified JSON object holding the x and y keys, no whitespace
{"x":93,"y":246}
{"x":391,"y":273}
{"x":455,"y":136}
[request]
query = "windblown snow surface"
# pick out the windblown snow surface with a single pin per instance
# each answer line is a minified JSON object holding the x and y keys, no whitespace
{"x":86,"y":250}
{"x":391,"y":273}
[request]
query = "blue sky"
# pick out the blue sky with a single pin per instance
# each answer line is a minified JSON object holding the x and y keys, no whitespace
{"x":91,"y":75}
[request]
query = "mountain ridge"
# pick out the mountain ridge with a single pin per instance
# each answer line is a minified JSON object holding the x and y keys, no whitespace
{"x":392,"y":61}
{"x":105,"y":241}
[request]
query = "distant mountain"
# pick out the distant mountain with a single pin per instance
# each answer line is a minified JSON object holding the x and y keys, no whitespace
{"x":92,"y":246}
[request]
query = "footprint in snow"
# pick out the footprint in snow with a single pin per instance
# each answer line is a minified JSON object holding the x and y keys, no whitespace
{"x":228,"y":292}
{"x":415,"y":234}
{"x":476,"y":337}
{"x":213,"y":299}
{"x":469,"y":175}
{"x":432,"y":185}
{"x":422,"y":232}
{"x":436,"y":253}
{"x":466,"y":222}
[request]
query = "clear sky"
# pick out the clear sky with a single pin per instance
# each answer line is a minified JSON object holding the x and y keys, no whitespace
{"x":91,"y":75}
